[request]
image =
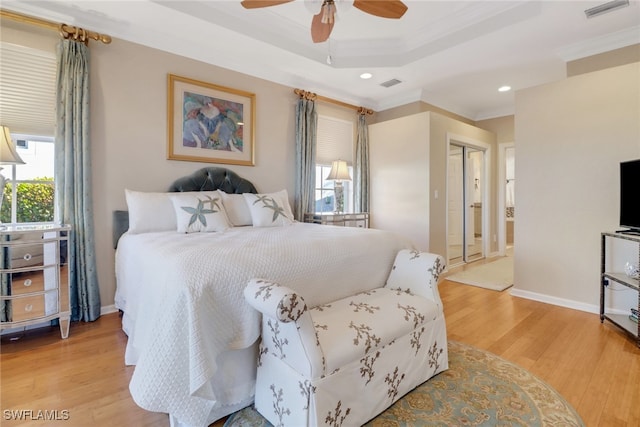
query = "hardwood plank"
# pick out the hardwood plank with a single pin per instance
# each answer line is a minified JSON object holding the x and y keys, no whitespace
{"x":595,"y":366}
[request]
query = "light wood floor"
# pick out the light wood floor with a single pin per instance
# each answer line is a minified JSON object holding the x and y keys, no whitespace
{"x":594,"y":366}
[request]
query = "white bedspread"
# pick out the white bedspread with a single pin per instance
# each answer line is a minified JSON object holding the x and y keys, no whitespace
{"x":182,"y":298}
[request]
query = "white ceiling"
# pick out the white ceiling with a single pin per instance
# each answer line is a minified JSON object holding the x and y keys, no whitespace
{"x":452,"y":54}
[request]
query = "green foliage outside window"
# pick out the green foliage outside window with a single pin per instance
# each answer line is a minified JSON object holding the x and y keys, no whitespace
{"x":35,"y":201}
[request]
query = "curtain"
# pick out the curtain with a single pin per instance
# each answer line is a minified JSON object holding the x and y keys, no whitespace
{"x":73,"y":176}
{"x":306,"y":125}
{"x":361,"y":172}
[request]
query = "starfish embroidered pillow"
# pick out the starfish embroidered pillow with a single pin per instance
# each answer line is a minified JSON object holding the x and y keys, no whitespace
{"x":199,"y":212}
{"x":269,"y":210}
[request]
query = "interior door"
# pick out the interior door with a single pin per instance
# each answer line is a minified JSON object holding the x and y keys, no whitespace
{"x":465,"y":193}
{"x":474,"y":169}
{"x":456,"y":205}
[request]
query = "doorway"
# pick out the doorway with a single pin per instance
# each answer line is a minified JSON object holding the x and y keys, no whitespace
{"x":466,"y":209}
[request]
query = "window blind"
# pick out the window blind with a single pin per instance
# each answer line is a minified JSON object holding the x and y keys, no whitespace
{"x":27,"y":90}
{"x":334,"y":140}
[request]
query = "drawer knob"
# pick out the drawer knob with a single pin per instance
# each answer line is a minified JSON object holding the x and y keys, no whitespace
{"x":27,"y":257}
{"x":28,"y":307}
{"x":28,"y":282}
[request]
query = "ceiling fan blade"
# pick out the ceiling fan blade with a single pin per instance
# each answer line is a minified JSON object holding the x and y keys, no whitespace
{"x":254,"y":4}
{"x":319,"y":31}
{"x":393,"y":9}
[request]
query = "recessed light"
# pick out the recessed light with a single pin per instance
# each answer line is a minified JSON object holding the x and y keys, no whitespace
{"x":366,"y":76}
{"x":504,"y":88}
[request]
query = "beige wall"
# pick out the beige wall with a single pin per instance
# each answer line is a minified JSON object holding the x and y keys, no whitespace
{"x":129,"y":129}
{"x":613,"y":58}
{"x":399,"y":160}
{"x":405,"y":158}
{"x":33,"y":37}
{"x":414,"y":108}
{"x":503,"y":127}
{"x":571,"y":136}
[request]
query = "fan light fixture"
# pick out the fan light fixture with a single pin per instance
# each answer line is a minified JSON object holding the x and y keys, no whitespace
{"x":324,"y":11}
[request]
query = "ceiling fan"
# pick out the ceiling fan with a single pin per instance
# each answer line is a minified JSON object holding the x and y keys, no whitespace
{"x":322,"y":22}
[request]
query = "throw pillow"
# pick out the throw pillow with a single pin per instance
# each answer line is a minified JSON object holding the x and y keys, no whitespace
{"x":236,"y":208}
{"x":269,"y":210}
{"x":149,"y":212}
{"x":198,"y":212}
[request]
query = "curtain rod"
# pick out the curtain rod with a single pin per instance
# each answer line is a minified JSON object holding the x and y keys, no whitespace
{"x":313,"y":97}
{"x":66,"y":31}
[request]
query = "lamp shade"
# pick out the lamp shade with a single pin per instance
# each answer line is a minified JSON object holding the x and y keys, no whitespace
{"x":339,"y":171}
{"x":8,"y":153}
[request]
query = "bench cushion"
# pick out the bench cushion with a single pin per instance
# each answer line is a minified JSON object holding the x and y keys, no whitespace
{"x":348,"y":329}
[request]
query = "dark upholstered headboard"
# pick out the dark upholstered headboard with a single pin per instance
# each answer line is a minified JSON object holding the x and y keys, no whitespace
{"x":209,"y":179}
{"x":205,"y":179}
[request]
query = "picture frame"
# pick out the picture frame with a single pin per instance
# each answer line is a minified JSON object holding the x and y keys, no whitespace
{"x":209,"y":123}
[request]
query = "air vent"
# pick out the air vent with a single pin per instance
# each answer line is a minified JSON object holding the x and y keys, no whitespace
{"x":390,"y":83}
{"x":606,"y":7}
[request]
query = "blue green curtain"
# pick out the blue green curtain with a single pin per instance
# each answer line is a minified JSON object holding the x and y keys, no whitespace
{"x":73,"y":177}
{"x":361,"y":172}
{"x":306,"y":125}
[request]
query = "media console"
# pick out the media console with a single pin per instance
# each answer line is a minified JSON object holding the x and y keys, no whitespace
{"x":623,"y":320}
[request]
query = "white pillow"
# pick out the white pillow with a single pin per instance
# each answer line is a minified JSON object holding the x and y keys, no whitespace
{"x":199,"y":212}
{"x":149,"y":212}
{"x":237,"y":210}
{"x":269,"y":210}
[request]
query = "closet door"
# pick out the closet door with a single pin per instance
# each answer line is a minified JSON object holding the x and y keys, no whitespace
{"x":465,"y":210}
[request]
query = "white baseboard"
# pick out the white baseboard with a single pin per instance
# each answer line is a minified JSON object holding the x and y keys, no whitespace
{"x":562,"y":302}
{"x":108,"y":309}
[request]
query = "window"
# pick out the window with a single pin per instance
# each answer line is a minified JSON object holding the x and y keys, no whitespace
{"x":34,"y":183}
{"x":334,"y":142}
{"x":27,"y":106}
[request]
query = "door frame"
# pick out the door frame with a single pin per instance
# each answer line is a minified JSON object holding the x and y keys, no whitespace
{"x":502,"y":201}
{"x":462,"y":140}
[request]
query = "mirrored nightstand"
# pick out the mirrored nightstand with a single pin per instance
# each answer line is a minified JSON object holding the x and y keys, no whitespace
{"x":34,"y":275}
{"x":345,"y":219}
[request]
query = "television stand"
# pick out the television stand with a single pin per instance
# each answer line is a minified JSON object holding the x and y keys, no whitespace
{"x":631,"y":231}
{"x":608,"y":275}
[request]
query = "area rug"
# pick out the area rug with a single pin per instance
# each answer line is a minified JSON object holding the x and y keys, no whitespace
{"x":479,"y":389}
{"x":496,"y":275}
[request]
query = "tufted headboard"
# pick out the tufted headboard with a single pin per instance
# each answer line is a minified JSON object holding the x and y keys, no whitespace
{"x":205,"y":179}
{"x":212,"y":178}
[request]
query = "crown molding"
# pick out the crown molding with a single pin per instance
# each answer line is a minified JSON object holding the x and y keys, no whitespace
{"x":594,"y":46}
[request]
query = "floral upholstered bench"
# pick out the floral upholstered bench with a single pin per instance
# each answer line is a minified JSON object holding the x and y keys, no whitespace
{"x":343,"y":363}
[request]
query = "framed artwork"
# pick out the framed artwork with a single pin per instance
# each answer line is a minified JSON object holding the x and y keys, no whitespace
{"x":210,"y":123}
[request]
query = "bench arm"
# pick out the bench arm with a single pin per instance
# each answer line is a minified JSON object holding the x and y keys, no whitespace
{"x":274,"y":300}
{"x":287,"y":327}
{"x":417,"y":273}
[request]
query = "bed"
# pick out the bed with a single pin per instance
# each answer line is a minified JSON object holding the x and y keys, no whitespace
{"x":191,"y":335}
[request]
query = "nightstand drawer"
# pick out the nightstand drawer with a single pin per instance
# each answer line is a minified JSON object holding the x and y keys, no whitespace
{"x":26,"y":308}
{"x":20,"y":256}
{"x":30,"y":281}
